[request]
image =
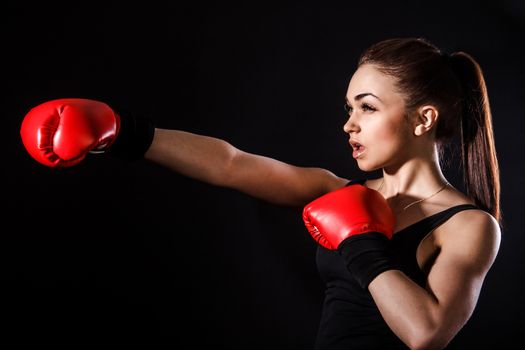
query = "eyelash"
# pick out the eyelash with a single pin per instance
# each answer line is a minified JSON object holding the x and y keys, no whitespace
{"x":348,"y":109}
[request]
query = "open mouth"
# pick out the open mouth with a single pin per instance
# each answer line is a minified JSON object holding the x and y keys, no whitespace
{"x":358,"y":149}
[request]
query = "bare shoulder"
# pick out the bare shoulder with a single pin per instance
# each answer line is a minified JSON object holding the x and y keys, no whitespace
{"x":473,"y":234}
{"x":472,"y":222}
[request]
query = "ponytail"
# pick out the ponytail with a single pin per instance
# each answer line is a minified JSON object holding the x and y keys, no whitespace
{"x":478,"y":152}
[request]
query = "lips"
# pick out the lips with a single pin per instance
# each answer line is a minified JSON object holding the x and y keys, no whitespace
{"x":358,"y":148}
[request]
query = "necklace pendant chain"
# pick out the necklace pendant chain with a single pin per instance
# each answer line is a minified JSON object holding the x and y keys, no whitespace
{"x":419,"y":200}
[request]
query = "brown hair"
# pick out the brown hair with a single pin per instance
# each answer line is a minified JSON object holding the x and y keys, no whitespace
{"x":455,"y":85}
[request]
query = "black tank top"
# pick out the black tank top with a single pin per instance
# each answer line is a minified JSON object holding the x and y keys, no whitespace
{"x":350,"y":318}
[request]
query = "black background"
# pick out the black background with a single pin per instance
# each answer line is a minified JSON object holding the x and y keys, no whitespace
{"x":129,"y":251}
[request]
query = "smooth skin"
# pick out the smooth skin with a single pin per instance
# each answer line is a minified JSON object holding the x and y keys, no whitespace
{"x":456,"y":256}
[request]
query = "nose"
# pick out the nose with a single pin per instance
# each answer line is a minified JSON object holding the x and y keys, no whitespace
{"x":350,"y":126}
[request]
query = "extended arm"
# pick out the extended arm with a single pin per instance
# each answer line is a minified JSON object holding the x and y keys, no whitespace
{"x":61,"y":133}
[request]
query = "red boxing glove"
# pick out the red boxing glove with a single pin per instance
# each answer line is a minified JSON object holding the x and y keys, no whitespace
{"x":60,"y":133}
{"x":346,"y":212}
{"x":357,"y":222}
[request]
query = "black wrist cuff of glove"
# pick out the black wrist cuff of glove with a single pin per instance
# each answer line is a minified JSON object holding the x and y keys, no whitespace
{"x":134,"y":138}
{"x":366,"y":256}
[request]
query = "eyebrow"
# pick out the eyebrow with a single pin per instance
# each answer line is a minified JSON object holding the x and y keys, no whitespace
{"x":360,"y":96}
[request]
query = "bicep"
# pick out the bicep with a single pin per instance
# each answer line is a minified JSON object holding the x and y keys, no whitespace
{"x":279,"y":182}
{"x":456,"y":278}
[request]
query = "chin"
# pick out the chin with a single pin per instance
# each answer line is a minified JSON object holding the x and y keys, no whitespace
{"x":367,"y":166}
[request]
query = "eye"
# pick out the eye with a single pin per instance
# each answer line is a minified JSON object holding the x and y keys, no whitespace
{"x":366,"y":106}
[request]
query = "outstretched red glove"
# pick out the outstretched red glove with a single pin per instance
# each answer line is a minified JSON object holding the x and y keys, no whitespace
{"x":60,"y":133}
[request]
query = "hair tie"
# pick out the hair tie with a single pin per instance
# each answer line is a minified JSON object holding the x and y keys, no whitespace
{"x":450,"y":62}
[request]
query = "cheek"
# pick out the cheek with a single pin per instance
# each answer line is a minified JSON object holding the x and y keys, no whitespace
{"x":390,"y":139}
{"x":390,"y":133}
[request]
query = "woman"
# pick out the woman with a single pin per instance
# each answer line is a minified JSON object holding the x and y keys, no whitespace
{"x":405,"y":103}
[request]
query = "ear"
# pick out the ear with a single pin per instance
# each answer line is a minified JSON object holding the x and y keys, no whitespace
{"x":426,"y":119}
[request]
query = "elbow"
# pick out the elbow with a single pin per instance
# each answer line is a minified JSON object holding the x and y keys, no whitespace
{"x":428,"y":340}
{"x":224,"y":174}
{"x":431,"y":335}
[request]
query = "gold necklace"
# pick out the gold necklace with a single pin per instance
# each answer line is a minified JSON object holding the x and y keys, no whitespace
{"x":419,"y":200}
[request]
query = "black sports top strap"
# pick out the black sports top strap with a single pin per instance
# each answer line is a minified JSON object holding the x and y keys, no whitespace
{"x":433,"y":221}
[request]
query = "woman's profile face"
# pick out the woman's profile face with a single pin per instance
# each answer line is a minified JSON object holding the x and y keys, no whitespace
{"x":376,"y":120}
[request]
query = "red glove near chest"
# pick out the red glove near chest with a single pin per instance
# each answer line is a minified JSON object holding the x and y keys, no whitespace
{"x":357,"y":222}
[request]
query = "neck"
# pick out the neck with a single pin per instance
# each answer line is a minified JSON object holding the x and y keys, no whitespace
{"x":416,"y":178}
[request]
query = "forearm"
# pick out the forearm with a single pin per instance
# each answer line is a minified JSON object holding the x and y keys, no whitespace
{"x":410,"y":311}
{"x":197,"y":156}
{"x":217,"y":162}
